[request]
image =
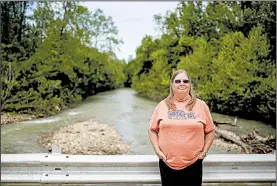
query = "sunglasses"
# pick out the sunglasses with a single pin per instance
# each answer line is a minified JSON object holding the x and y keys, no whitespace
{"x":178,"y":81}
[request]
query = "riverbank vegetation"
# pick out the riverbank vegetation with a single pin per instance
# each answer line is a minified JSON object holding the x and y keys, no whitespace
{"x":55,"y":54}
{"x":228,"y":49}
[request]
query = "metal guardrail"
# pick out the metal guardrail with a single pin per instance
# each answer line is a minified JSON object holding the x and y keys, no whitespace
{"x":95,"y":169}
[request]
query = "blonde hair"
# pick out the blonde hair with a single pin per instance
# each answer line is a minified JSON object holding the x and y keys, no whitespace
{"x":169,"y":103}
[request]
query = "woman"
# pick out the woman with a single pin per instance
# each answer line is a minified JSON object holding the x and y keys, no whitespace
{"x":181,"y":131}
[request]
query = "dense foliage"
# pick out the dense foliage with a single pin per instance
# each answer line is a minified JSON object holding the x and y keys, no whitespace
{"x":228,"y":48}
{"x":55,"y":54}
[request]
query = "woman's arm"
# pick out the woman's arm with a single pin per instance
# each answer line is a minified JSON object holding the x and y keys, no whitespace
{"x":208,"y":140}
{"x":153,"y":136}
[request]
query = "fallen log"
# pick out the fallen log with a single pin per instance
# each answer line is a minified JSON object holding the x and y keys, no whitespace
{"x":250,"y":143}
{"x":229,"y":136}
{"x":254,"y":134}
{"x":261,"y":145}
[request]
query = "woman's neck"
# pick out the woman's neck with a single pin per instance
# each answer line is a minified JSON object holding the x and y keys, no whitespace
{"x":182,"y":98}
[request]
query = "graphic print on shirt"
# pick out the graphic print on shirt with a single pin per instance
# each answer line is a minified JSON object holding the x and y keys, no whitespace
{"x":180,"y":114}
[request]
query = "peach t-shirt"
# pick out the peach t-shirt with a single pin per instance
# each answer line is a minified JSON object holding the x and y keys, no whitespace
{"x":181,"y":133}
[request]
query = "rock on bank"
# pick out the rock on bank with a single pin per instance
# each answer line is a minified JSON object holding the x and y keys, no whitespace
{"x":88,"y":137}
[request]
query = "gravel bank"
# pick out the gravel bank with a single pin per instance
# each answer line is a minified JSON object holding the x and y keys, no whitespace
{"x":87,"y":138}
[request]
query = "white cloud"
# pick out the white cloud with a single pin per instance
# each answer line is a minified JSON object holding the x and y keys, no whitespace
{"x":133,"y":19}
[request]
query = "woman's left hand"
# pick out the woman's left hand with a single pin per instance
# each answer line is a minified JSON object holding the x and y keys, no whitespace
{"x":202,"y":155}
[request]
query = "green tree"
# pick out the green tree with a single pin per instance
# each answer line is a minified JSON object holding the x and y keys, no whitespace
{"x":104,"y":32}
{"x":63,"y":67}
{"x":16,"y":45}
{"x":235,"y":80}
{"x":227,"y":48}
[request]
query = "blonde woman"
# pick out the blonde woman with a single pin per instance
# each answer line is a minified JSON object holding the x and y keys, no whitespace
{"x":181,"y":131}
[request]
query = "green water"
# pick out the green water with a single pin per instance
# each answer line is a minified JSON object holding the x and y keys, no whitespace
{"x":121,"y":108}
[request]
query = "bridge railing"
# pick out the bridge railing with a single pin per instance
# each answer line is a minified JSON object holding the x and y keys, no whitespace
{"x":97,"y":169}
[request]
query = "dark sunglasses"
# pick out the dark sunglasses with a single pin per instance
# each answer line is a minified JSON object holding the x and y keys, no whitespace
{"x":178,"y":81}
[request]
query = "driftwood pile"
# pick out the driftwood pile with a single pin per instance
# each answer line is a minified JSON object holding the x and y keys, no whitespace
{"x":251,"y":143}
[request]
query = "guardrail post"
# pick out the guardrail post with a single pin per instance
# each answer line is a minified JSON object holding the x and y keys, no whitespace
{"x":56,"y":150}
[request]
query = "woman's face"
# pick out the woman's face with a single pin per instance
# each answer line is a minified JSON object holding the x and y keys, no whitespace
{"x":181,"y":84}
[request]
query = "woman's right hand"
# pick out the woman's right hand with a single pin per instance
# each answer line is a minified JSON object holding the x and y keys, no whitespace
{"x":161,"y":155}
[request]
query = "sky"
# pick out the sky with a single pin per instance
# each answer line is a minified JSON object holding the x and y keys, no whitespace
{"x":134,"y":20}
